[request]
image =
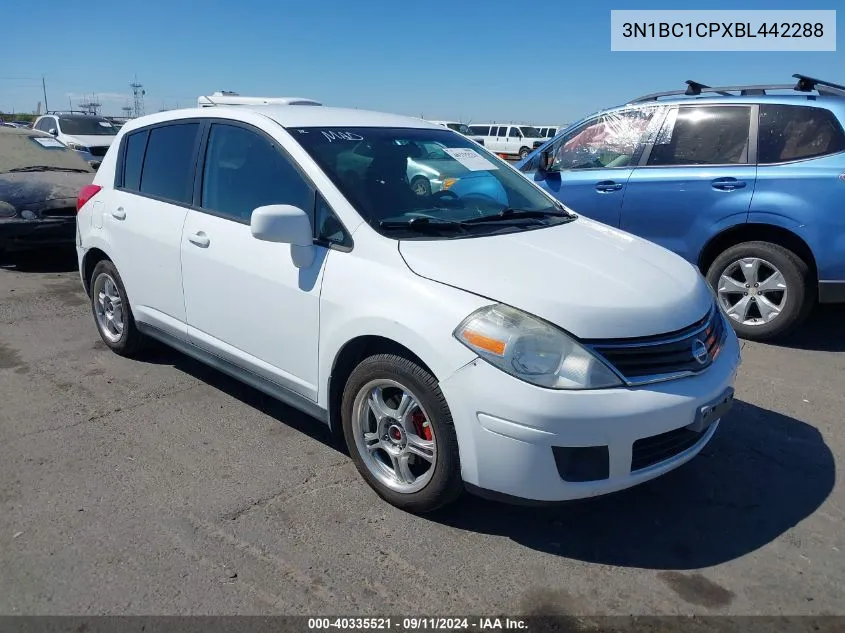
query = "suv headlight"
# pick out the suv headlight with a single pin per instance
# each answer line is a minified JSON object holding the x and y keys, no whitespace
{"x":533,"y":350}
{"x":77,"y":147}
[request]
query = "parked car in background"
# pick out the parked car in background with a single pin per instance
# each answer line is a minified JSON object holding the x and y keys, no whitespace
{"x":507,"y":140}
{"x":40,"y":179}
{"x":454,"y":125}
{"x":485,"y":339}
{"x":21,"y":124}
{"x":746,"y":182}
{"x":86,"y":134}
{"x":549,"y":131}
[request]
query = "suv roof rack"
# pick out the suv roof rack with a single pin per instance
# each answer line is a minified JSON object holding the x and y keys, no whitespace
{"x":229,"y":98}
{"x":70,"y":112}
{"x":804,"y":84}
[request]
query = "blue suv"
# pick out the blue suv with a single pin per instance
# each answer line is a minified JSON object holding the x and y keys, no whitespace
{"x":746,"y":182}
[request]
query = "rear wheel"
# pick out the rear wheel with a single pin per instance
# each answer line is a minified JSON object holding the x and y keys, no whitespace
{"x":763,"y":288}
{"x":112,"y":312}
{"x":421,"y":186}
{"x":399,"y":432}
{"x":524,"y":152}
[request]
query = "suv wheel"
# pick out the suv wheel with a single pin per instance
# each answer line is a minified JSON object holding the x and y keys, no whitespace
{"x":112,"y":311}
{"x":523,"y":153}
{"x":400,"y":435}
{"x":763,"y":288}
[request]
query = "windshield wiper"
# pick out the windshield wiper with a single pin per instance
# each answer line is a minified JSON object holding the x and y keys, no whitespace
{"x":45,"y":168}
{"x":508,"y":213}
{"x":423,"y":224}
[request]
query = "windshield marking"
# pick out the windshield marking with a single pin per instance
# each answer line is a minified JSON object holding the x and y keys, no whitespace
{"x":333,"y":135}
{"x":470,"y":159}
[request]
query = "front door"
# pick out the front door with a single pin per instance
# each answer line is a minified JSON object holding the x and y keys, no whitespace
{"x":246,"y":302}
{"x":697,"y":178}
{"x":592,"y":163}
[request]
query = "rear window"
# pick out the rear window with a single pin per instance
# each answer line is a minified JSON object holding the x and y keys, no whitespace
{"x":136,"y":143}
{"x":790,"y":132}
{"x":168,"y":170}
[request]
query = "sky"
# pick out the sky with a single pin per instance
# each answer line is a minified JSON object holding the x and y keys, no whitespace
{"x":468,"y":60}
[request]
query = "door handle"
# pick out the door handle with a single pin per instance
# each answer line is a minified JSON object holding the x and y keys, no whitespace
{"x":200,"y":239}
{"x":727,"y":184}
{"x":119,"y":213}
{"x":606,"y":186}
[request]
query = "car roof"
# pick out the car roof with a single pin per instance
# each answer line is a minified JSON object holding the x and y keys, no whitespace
{"x":290,"y":116}
{"x":22,"y":131}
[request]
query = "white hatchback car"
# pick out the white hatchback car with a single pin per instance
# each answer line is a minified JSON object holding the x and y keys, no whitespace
{"x":480,"y":337}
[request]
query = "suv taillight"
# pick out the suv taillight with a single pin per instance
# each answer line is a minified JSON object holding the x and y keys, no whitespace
{"x":88,"y":192}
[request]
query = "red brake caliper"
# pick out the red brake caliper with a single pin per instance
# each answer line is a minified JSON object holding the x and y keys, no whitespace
{"x":421,"y":425}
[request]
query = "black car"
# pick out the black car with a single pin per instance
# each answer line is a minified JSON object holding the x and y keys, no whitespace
{"x":40,"y":179}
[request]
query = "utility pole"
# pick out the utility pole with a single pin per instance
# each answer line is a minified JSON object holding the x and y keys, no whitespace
{"x":44,"y":88}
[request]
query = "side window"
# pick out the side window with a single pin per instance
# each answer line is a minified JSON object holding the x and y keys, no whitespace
{"x":244,"y":170}
{"x":503,"y":131}
{"x":133,"y":159}
{"x":514,"y":132}
{"x":790,"y":132}
{"x":169,"y":163}
{"x":480,"y":130}
{"x":612,"y":140}
{"x":327,"y":225}
{"x":703,"y":135}
{"x":45,"y":124}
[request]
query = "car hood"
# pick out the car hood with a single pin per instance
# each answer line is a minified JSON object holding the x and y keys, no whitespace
{"x":92,"y":140}
{"x":585,"y":277}
{"x":29,"y":189}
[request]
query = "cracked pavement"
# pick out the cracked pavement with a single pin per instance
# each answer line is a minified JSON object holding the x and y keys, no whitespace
{"x":163,"y":487}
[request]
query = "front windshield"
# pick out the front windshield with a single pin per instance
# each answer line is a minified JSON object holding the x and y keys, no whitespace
{"x":395,"y":176}
{"x":86,"y":126}
{"x":530,"y":132}
{"x":21,"y":149}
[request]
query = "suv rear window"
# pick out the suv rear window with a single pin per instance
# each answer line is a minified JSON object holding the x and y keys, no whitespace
{"x":168,"y":170}
{"x":789,"y":132}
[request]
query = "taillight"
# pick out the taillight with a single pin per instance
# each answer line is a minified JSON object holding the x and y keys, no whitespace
{"x":88,"y":192}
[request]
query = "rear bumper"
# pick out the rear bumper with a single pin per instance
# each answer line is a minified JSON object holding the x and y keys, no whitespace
{"x":832,"y":292}
{"x":19,"y":235}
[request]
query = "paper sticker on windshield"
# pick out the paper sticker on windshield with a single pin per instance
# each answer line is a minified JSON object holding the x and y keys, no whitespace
{"x":469,"y":158}
{"x":47,"y":142}
{"x":105,"y":124}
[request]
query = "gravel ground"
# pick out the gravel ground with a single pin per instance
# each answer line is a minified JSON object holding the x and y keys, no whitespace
{"x":162,"y":487}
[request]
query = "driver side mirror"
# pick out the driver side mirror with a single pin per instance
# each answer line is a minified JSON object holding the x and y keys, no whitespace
{"x":546,"y":160}
{"x":285,"y":224}
{"x":53,"y":131}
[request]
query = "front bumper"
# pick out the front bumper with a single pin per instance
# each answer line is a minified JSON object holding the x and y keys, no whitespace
{"x":513,"y":436}
{"x":18,"y":235}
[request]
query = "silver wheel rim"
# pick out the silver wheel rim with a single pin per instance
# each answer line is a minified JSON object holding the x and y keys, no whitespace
{"x":752,"y":291}
{"x":108,"y":307}
{"x":390,"y":435}
{"x":419,"y":187}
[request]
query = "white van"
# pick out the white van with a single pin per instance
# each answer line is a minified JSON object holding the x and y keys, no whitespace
{"x":506,"y":139}
{"x":462,"y":128}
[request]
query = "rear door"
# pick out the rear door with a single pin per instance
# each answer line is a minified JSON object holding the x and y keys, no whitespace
{"x":696,"y":178}
{"x":592,"y":163}
{"x":142,"y":219}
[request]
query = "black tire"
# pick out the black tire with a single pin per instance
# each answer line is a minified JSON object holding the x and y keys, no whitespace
{"x":131,"y":341}
{"x":421,"y":186}
{"x":799,"y":298}
{"x":523,"y":153}
{"x":445,"y":485}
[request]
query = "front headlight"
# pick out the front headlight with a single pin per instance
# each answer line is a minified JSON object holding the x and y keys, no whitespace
{"x":77,"y":147}
{"x":533,"y":350}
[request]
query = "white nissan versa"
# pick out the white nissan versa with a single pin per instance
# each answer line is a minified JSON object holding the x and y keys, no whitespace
{"x":479,"y":337}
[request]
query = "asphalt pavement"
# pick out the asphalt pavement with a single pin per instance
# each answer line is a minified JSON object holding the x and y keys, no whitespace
{"x":163,"y":487}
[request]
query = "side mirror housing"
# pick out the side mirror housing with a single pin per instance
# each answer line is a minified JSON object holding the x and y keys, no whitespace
{"x":285,"y":224}
{"x":546,"y":160}
{"x":53,"y":131}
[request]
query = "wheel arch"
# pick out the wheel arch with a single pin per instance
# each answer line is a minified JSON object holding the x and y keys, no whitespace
{"x":89,"y":261}
{"x":756,"y":232}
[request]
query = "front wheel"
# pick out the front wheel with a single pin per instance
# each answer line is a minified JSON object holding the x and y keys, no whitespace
{"x":763,"y":289}
{"x":523,"y":153}
{"x":400,"y":434}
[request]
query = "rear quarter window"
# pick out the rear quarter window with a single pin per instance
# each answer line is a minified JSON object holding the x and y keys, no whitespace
{"x":789,"y":132}
{"x":136,"y":144}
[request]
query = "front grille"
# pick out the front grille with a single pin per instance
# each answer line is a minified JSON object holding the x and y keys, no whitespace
{"x":652,"y":357}
{"x":649,"y":451}
{"x":98,"y":151}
